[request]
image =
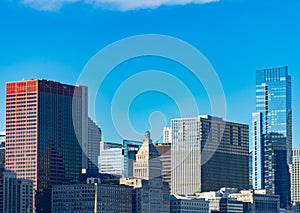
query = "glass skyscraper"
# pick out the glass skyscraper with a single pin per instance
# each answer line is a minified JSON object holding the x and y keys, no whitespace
{"x":46,"y":122}
{"x":273,"y":116}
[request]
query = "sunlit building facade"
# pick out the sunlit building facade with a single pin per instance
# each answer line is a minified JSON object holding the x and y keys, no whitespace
{"x":167,"y":135}
{"x":46,"y":130}
{"x":164,"y":151}
{"x":91,"y":197}
{"x":208,"y":153}
{"x":111,"y":160}
{"x":295,"y":186}
{"x":273,"y":118}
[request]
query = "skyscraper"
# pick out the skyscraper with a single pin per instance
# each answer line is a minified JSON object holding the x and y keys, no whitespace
{"x":167,"y":135}
{"x":207,"y":154}
{"x":185,"y":156}
{"x":93,"y":146}
{"x":130,"y":149}
{"x":272,"y":119}
{"x":258,"y":151}
{"x":164,"y":151}
{"x":46,"y":122}
{"x":276,"y":170}
{"x":250,"y":169}
{"x":151,"y":194}
{"x":295,"y":186}
{"x":2,"y":149}
{"x":16,"y":195}
{"x":111,"y":159}
{"x":147,"y":165}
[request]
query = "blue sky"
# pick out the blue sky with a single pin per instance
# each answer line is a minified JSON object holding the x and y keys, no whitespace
{"x":237,"y":36}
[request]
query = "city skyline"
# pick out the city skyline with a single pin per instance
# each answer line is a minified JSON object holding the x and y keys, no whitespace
{"x":235,"y":47}
{"x":149,"y":106}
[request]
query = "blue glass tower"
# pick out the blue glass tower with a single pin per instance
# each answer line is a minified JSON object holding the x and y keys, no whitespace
{"x":274,"y":101}
{"x":273,"y":116}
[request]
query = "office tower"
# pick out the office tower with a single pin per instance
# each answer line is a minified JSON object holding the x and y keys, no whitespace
{"x":258,"y":151}
{"x":151,"y":194}
{"x":2,"y":149}
{"x":16,"y":195}
{"x":164,"y":151}
{"x":186,"y":156}
{"x":111,"y":160}
{"x":91,"y":197}
{"x":2,"y":153}
{"x":2,"y":136}
{"x":93,"y":146}
{"x":179,"y":204}
{"x":295,"y":186}
{"x":167,"y":135}
{"x":207,"y":154}
{"x":272,"y":123}
{"x":147,"y":165}
{"x":46,"y":122}
{"x":250,"y":169}
{"x":274,"y":101}
{"x":276,"y":170}
{"x":130,"y":149}
{"x":117,"y":158}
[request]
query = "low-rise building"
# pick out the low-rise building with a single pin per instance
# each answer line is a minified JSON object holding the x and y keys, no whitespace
{"x":180,"y":204}
{"x":220,"y":202}
{"x":91,"y":197}
{"x":258,"y":201}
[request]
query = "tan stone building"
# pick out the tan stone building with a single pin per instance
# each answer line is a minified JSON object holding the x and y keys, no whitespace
{"x":151,"y":194}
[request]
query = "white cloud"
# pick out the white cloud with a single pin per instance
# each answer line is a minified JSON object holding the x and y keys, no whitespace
{"x":50,"y":5}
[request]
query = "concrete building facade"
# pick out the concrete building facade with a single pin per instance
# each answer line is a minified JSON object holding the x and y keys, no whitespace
{"x":167,"y":135}
{"x":150,"y":193}
{"x":164,"y":151}
{"x":295,"y":186}
{"x":91,"y":197}
{"x":220,"y":202}
{"x":179,"y":204}
{"x":258,"y":201}
{"x":205,"y":147}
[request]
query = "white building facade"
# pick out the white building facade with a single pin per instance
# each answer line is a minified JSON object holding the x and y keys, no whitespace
{"x":111,"y":160}
{"x":295,"y":186}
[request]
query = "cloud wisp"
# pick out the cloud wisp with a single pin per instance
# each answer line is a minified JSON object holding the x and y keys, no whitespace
{"x":122,"y":5}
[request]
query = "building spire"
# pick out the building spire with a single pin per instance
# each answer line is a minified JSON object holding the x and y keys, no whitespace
{"x":148,"y":137}
{"x":147,"y":165}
